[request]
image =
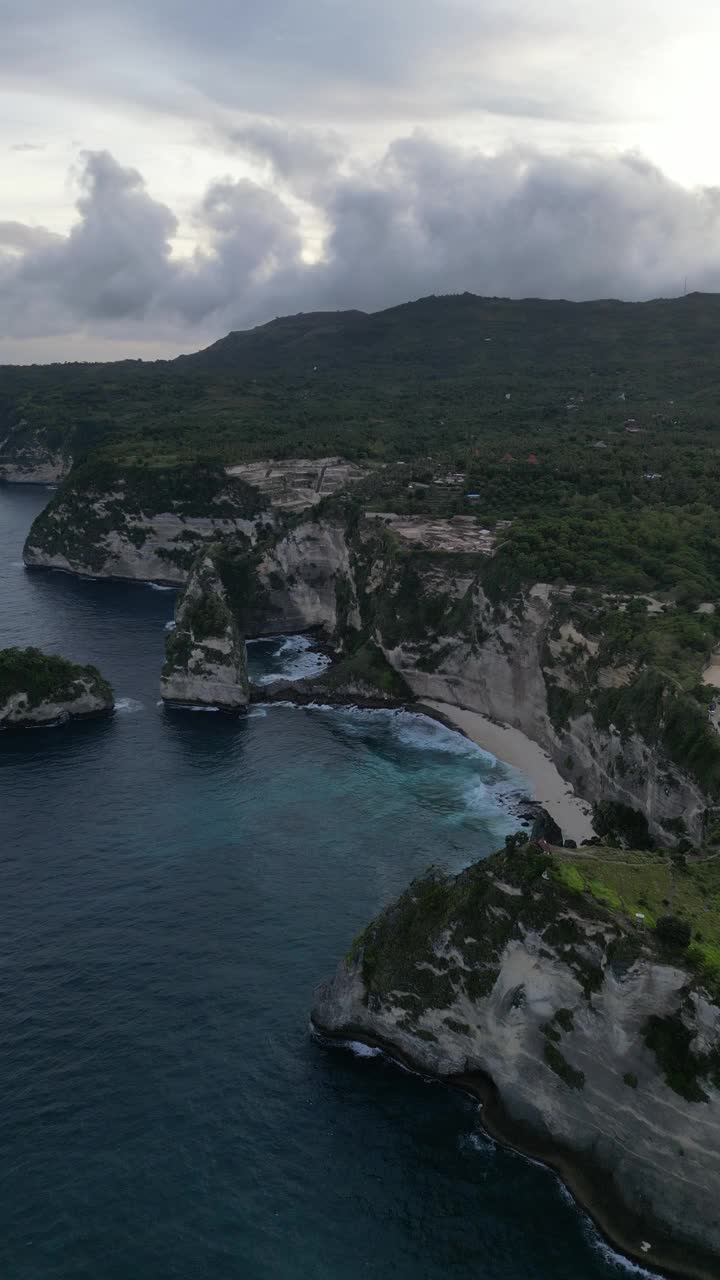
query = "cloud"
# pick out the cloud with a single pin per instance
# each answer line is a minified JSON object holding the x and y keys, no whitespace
{"x":346,"y":60}
{"x":426,"y":218}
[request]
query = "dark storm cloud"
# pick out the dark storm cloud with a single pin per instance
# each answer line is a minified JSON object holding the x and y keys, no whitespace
{"x":428,"y":218}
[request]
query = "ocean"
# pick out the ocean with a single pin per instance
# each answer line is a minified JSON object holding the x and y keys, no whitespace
{"x":174,"y":884}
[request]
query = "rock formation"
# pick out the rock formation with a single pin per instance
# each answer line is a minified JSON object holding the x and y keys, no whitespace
{"x":27,"y":457}
{"x":206,"y":662}
{"x":41,"y":689}
{"x":532,"y":660}
{"x":591,"y":1048}
{"x":111,"y":522}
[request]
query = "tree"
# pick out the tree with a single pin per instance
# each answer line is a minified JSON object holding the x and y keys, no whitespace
{"x":674,"y":933}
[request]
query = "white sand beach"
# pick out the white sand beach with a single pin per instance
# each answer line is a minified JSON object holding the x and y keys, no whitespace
{"x":573,"y":815}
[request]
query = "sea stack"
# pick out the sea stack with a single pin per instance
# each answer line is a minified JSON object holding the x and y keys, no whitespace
{"x":206,"y":662}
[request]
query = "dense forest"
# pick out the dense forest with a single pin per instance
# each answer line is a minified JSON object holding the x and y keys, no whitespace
{"x":591,"y":426}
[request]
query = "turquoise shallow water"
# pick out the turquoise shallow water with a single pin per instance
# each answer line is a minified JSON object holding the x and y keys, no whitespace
{"x":173,"y":886}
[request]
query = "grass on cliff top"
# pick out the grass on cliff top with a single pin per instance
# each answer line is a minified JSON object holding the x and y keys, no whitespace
{"x":653,"y":885}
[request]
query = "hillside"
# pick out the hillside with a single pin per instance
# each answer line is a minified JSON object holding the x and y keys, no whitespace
{"x":429,"y":376}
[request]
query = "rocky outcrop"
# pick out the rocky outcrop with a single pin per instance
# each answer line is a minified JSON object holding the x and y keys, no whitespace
{"x":509,"y":663}
{"x":527,"y":661}
{"x":590,"y":1048}
{"x":362,"y":678}
{"x":111,"y":522}
{"x":41,"y":689}
{"x":206,"y":661}
{"x":28,"y":457}
{"x":301,"y":579}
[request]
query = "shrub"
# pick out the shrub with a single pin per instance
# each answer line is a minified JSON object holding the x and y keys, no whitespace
{"x":674,"y":933}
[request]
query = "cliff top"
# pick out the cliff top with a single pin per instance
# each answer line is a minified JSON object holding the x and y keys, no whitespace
{"x":648,"y":887}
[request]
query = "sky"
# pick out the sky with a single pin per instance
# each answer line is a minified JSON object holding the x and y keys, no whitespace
{"x":174,"y":170}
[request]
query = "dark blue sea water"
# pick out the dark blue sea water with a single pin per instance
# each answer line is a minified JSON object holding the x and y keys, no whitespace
{"x":172,"y":887}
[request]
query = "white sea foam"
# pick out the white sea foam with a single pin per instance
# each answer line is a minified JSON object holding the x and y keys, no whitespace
{"x":126,"y":706}
{"x":479,"y":1142}
{"x":596,"y":1241}
{"x":17,"y":564}
{"x":170,"y":626}
{"x":298,"y":660}
{"x":158,"y":586}
{"x":615,"y":1259}
{"x":258,"y":714}
{"x":361,"y":1050}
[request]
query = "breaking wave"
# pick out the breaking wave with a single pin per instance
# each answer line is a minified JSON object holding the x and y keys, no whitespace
{"x":295,"y":658}
{"x":126,"y":706}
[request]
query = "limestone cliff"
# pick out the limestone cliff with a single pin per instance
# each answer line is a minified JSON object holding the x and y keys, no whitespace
{"x":42,"y":689}
{"x":541,"y":660}
{"x":526,"y":665}
{"x":591,"y":1048}
{"x":205,"y":654}
{"x":299,"y":580}
{"x":32,"y":455}
{"x":142,"y":524}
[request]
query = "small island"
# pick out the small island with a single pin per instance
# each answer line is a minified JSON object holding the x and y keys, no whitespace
{"x":37,"y":689}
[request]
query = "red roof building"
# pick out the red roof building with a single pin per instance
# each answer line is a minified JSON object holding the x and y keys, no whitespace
{"x":532,"y":458}
{"x":508,"y":458}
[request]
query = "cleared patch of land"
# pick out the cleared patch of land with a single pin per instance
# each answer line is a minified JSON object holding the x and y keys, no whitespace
{"x":459,"y":533}
{"x":297,"y":483}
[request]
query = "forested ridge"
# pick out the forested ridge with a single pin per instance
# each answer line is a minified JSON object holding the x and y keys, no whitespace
{"x":593,"y":427}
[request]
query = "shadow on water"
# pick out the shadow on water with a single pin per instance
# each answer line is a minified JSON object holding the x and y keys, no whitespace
{"x":204,"y":734}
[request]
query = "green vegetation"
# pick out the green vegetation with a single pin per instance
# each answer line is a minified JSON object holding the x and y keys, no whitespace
{"x":366,"y":666}
{"x":557,"y":1063}
{"x":591,"y":428}
{"x":46,"y":678}
{"x":445,"y":939}
{"x":670,"y":1041}
{"x":678,"y":901}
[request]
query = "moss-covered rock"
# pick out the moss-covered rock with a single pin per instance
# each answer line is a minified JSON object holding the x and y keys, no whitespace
{"x":38,"y":688}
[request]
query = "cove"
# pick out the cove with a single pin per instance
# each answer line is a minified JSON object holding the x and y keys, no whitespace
{"x":173,"y":886}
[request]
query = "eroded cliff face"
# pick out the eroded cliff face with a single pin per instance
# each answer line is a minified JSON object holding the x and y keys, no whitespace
{"x":142,"y":526}
{"x":302,"y":578}
{"x":509,"y":663}
{"x":525,"y":662}
{"x":206,"y":661}
{"x":26,"y":457}
{"x":601,"y":1051}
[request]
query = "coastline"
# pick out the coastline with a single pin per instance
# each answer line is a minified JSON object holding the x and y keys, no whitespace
{"x":623,"y":1230}
{"x":550,"y":790}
